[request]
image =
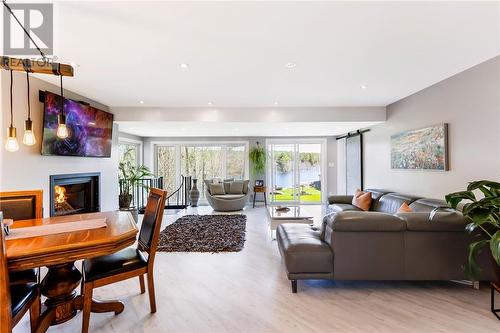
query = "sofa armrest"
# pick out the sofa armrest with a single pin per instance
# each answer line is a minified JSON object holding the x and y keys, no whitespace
{"x":442,"y":221}
{"x":363,"y":221}
{"x":342,"y":199}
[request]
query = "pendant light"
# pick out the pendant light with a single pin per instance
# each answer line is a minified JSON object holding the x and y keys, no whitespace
{"x":11,"y":143}
{"x":29,"y":137}
{"x":62,"y":129}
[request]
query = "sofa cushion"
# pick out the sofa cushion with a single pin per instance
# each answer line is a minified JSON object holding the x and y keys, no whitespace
{"x":363,"y":221}
{"x":341,"y":207}
{"x":362,"y":200}
{"x":390,"y":203}
{"x":302,"y":250}
{"x":427,"y":205}
{"x":217,"y":189}
{"x":236,"y":187}
{"x":442,"y":221}
{"x":229,"y":196}
{"x":376,"y":195}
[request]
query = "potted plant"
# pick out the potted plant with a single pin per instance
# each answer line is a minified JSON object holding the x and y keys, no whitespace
{"x":129,"y":177}
{"x":483,"y":215}
{"x":257,"y":156}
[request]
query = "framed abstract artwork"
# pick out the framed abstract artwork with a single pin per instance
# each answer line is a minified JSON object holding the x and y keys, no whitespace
{"x":421,"y":149}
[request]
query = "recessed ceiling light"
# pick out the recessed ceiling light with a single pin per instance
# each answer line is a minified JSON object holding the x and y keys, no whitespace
{"x":275,"y":103}
{"x":290,"y":64}
{"x":363,"y":87}
{"x":210,"y":103}
{"x":141,"y":102}
{"x":184,"y":66}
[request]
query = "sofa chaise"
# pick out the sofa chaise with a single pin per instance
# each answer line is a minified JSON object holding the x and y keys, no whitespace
{"x":379,"y":244}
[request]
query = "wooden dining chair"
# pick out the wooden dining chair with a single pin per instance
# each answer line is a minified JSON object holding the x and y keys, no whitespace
{"x":15,"y":300}
{"x":22,"y":205}
{"x":127,"y":263}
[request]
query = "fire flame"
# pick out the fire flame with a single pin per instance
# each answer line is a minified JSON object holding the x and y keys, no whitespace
{"x":60,"y":195}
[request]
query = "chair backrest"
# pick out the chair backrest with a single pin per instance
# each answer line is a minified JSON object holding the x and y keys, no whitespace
{"x":151,"y":222}
{"x":5,"y":311}
{"x":22,"y":205}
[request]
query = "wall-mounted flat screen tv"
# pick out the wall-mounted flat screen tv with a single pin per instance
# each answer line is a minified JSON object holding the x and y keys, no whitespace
{"x":90,"y":129}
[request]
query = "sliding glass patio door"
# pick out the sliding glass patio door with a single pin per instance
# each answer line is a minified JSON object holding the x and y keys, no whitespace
{"x":200,"y":160}
{"x":295,"y":173}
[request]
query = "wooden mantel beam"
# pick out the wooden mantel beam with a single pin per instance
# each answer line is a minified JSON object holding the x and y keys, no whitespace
{"x":42,"y":66}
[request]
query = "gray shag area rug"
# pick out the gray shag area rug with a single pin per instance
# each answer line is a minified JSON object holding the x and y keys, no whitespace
{"x":204,"y":233}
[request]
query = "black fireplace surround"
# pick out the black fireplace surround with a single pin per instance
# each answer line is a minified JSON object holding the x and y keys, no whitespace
{"x":74,"y":193}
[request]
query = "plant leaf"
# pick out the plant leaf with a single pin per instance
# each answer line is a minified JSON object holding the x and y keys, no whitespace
{"x":456,"y":197}
{"x":471,"y":268}
{"x":495,"y":247}
{"x":481,"y":183}
{"x":470,"y":227}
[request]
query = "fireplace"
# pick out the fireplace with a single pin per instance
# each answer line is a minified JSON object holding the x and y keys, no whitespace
{"x":74,"y":193}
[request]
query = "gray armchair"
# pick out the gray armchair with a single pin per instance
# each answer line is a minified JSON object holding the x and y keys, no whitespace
{"x":228,"y":202}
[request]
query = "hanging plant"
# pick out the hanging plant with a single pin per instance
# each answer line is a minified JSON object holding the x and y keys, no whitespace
{"x":258,"y":159}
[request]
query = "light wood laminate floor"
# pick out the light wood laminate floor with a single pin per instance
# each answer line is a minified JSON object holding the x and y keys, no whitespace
{"x":248,"y":291}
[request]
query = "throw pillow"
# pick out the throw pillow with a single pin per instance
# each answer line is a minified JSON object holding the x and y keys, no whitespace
{"x":217,"y":189}
{"x":245,"y":186}
{"x":236,"y":187}
{"x":227,"y":185}
{"x":208,"y":182}
{"x":405,"y":208}
{"x":362,"y":200}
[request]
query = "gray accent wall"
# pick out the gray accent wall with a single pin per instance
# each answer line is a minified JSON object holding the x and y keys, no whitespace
{"x":470,"y":103}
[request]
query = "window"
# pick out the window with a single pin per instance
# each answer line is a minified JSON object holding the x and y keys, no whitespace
{"x":165,"y":167}
{"x":201,"y":161}
{"x":135,"y":148}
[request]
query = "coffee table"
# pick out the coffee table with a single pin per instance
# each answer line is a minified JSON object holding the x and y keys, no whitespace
{"x":295,"y":214}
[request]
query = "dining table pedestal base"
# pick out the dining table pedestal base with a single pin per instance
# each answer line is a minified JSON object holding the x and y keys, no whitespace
{"x":63,"y":303}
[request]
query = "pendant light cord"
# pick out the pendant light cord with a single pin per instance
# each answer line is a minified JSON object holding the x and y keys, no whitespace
{"x":29,"y":106}
{"x":22,"y":26}
{"x":62,"y":96}
{"x":11,"y":110}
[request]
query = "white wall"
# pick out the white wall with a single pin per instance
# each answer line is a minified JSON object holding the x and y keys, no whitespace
{"x":26,"y":168}
{"x":470,"y":103}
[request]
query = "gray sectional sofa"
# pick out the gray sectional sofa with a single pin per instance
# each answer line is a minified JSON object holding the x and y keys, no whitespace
{"x":380,"y":244}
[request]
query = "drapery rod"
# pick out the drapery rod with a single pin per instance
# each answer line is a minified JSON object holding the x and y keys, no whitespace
{"x":348,"y":135}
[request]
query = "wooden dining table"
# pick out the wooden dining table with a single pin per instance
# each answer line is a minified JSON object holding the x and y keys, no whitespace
{"x":58,"y":252}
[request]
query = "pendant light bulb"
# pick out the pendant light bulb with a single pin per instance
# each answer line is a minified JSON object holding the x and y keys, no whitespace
{"x":29,"y":137}
{"x":62,"y":129}
{"x":11,"y":143}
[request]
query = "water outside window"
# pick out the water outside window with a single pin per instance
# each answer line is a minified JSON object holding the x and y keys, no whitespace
{"x":296,"y":172}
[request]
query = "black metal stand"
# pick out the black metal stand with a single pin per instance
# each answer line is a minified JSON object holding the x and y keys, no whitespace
{"x":494,"y":289}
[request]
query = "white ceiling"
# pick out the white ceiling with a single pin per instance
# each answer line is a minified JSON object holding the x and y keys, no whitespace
{"x":244,"y":129}
{"x":237,"y":51}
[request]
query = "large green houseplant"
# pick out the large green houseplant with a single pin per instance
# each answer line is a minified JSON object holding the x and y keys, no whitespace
{"x":130,"y":175}
{"x":257,"y":156}
{"x":483,"y":214}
